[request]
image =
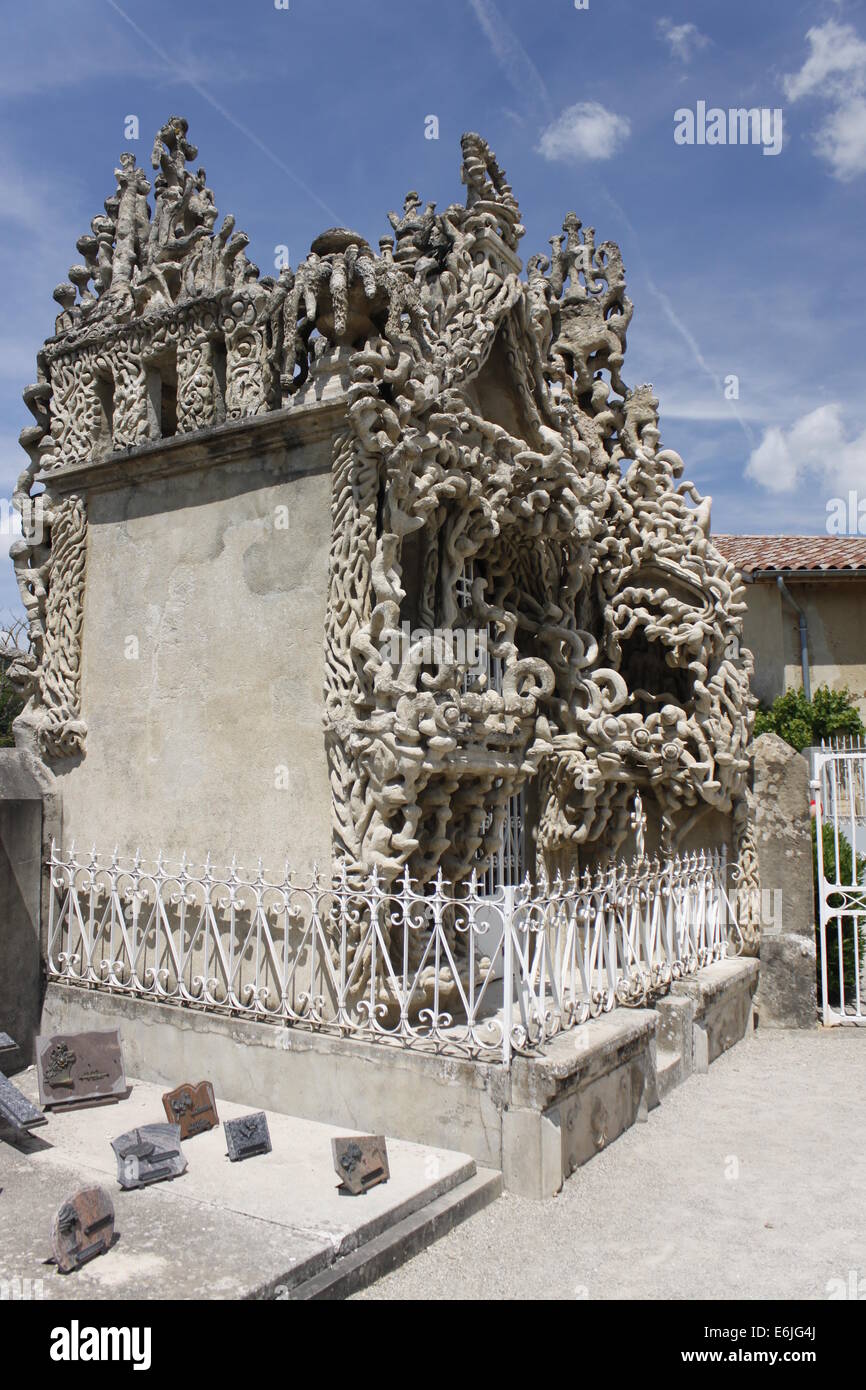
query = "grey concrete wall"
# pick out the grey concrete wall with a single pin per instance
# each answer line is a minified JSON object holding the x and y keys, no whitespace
{"x":203,"y":665}
{"x":837,"y":652}
{"x":29,"y":816}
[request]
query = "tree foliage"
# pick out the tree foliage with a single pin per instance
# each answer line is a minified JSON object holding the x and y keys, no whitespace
{"x":803,"y":723}
{"x":11,"y":703}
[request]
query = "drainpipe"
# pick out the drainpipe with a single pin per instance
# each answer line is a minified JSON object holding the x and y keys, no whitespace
{"x":804,"y":636}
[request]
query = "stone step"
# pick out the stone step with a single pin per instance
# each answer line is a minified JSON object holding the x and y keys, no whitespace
{"x":401,"y":1242}
{"x":670,"y":1071}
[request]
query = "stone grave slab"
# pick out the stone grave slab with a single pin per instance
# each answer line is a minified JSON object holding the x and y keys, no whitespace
{"x":17,"y":1113}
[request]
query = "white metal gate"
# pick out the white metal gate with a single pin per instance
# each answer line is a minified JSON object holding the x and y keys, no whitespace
{"x":839,"y":787}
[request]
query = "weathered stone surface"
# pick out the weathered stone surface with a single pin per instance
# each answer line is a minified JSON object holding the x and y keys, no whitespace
{"x":221,"y":1233}
{"x":29,"y":817}
{"x":783,"y":848}
{"x":788,"y":993}
{"x":149,"y":1154}
{"x":16,"y":1111}
{"x":783,"y":836}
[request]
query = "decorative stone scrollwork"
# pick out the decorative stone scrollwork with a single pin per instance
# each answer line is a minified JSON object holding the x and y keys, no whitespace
{"x":498,"y":435}
{"x":496,"y":474}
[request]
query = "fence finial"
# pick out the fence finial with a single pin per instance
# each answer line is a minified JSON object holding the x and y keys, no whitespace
{"x":637,"y":821}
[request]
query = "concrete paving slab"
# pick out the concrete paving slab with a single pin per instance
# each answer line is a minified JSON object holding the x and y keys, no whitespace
{"x":222,"y":1230}
{"x":746,"y":1183}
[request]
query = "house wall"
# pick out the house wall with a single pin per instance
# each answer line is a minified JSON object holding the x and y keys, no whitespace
{"x":203,"y":662}
{"x":836,"y":618}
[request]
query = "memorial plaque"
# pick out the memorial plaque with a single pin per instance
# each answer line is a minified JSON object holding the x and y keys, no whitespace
{"x":192,"y":1107}
{"x":149,"y":1154}
{"x":80,"y":1068}
{"x":16,"y":1111}
{"x":82,"y":1228}
{"x":248,"y":1136}
{"x":361,"y":1162}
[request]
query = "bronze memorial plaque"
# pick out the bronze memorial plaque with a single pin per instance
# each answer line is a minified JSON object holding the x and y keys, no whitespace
{"x":149,"y":1154}
{"x":191,"y":1107}
{"x":79,"y":1068}
{"x":248,"y":1136}
{"x":82,"y":1228}
{"x":361,"y":1162}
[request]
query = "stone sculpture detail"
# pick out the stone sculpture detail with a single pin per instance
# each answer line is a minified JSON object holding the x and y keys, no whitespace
{"x":495,"y":473}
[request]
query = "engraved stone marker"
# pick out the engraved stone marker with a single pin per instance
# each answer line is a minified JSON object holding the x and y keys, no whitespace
{"x":149,"y":1154}
{"x":248,"y":1136}
{"x":77,"y":1068}
{"x":361,"y":1162}
{"x":192,"y":1107}
{"x":17,"y":1113}
{"x":82,"y":1228}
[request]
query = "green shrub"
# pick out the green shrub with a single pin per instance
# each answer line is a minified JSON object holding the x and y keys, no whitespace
{"x":12,"y":636}
{"x":803,"y":723}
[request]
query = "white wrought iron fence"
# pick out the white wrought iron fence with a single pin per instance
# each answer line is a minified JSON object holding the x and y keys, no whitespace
{"x":839,"y":792}
{"x":433,"y":968}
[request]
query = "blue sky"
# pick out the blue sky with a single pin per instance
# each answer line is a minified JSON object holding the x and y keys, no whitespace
{"x":739,"y":263}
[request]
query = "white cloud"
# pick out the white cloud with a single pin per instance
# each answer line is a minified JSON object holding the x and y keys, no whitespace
{"x":585,"y":131}
{"x":835,"y":71}
{"x":684,"y":40}
{"x":817,"y":446}
{"x":837,"y":58}
{"x":841,"y":140}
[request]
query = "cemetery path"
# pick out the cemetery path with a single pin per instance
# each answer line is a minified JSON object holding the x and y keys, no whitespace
{"x":747,"y":1182}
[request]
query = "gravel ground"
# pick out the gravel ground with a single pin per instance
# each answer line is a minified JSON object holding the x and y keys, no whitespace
{"x":745,"y":1183}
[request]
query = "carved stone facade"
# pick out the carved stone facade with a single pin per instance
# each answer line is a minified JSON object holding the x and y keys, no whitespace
{"x":494,"y":473}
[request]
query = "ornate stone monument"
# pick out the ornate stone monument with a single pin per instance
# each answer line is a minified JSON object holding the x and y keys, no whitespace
{"x":253,"y":483}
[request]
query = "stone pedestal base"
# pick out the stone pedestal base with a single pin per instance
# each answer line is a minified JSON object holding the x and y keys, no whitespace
{"x":788,"y":993}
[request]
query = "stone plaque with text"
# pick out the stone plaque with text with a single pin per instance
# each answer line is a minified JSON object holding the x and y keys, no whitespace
{"x":191,"y":1107}
{"x":361,"y":1162}
{"x":82,"y":1228}
{"x":80,"y":1068}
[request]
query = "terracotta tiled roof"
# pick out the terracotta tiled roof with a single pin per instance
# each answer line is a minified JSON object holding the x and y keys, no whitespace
{"x":820,"y":553}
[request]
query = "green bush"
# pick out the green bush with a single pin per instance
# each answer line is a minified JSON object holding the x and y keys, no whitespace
{"x":11,"y":706}
{"x":803,"y":723}
{"x":843,"y":872}
{"x":13,"y":637}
